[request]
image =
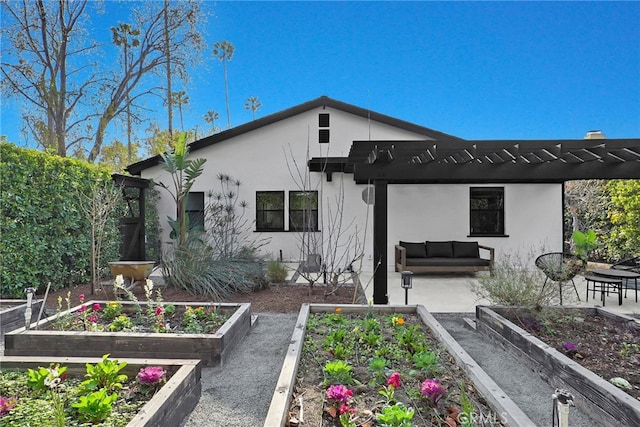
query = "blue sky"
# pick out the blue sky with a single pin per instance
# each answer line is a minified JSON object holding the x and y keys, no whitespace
{"x":477,"y":70}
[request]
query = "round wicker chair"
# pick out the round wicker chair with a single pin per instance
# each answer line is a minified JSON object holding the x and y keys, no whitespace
{"x":561,"y":268}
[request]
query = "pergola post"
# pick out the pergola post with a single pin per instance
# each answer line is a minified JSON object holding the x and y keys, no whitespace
{"x":380,"y":295}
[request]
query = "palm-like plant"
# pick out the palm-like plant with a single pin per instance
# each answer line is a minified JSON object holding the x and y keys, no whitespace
{"x":183,"y":175}
{"x":224,"y":52}
{"x":253,"y":104}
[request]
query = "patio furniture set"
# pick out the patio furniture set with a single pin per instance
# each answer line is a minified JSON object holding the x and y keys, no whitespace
{"x":562,"y":268}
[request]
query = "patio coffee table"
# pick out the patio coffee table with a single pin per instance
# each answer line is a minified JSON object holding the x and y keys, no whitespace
{"x":603,"y":285}
{"x":624,"y":275}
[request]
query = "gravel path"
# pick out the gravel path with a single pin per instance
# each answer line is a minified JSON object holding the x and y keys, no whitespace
{"x":239,"y":394}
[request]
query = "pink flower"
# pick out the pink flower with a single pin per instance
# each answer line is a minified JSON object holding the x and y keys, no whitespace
{"x":159,"y":311}
{"x":82,"y":309}
{"x":6,"y":404}
{"x":81,"y":298}
{"x":151,"y":374}
{"x":432,"y":389}
{"x":92,"y":318}
{"x":345,"y":408}
{"x":339,"y":393}
{"x":96,"y":307}
{"x":394,"y":380}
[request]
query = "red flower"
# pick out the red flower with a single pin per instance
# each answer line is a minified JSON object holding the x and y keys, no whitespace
{"x":82,"y":309}
{"x":394,"y":380}
{"x":81,"y":298}
{"x":158,"y":311}
{"x":96,"y":307}
{"x":345,"y":408}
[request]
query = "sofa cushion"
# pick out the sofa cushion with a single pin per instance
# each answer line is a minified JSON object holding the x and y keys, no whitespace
{"x":466,"y":250}
{"x":447,"y":262}
{"x":439,"y":249}
{"x":415,"y":250}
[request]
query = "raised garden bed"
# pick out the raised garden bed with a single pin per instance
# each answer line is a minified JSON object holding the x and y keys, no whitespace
{"x":593,"y":395}
{"x":505,"y":412}
{"x":168,"y":407}
{"x":12,"y":313}
{"x":212,"y":348}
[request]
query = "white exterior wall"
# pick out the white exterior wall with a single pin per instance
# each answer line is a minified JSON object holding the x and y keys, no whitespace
{"x":533,"y":216}
{"x":262,"y":159}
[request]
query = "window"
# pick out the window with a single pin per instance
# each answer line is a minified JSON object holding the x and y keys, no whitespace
{"x":195,"y":209}
{"x":303,"y":211}
{"x":323,"y":120}
{"x":270,"y":210}
{"x":487,"y":211}
{"x":323,"y":136}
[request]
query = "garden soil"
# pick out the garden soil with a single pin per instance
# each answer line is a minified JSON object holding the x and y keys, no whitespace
{"x":239,"y":393}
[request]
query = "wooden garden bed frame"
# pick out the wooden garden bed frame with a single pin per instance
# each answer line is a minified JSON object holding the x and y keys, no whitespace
{"x":495,"y":397}
{"x":212,"y":349}
{"x":592,"y":394}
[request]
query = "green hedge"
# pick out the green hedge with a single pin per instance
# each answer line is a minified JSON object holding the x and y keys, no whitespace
{"x":44,"y":234}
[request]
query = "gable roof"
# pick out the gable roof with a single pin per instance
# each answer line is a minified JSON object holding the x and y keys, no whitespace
{"x":323,"y":101}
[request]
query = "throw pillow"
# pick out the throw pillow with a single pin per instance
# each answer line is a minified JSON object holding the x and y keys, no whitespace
{"x":466,"y":250}
{"x":439,"y":250}
{"x":414,"y":250}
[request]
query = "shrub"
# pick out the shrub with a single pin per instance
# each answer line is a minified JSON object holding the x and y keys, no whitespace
{"x":515,"y":281}
{"x":45,"y":236}
{"x":276,"y":271}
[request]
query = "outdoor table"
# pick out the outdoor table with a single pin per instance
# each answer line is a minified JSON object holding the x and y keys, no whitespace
{"x":624,"y":275}
{"x":603,"y":285}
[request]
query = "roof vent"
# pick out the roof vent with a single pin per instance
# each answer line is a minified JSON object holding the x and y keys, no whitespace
{"x":595,"y":134}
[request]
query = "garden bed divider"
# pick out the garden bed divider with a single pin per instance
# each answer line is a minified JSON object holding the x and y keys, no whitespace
{"x":592,"y":394}
{"x":12,"y":313}
{"x":509,"y":412}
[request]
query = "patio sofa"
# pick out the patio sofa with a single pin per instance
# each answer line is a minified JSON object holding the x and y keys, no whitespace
{"x":443,"y":257}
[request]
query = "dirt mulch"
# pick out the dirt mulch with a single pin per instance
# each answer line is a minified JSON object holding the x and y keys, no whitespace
{"x":278,"y":298}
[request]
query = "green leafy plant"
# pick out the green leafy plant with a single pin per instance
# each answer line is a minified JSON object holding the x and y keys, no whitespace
{"x":396,"y":415}
{"x":378,"y":366}
{"x":584,"y":243}
{"x":121,"y":323}
{"x":337,"y":372}
{"x":466,"y":415}
{"x":105,"y":374}
{"x":426,"y":361}
{"x":183,"y":172}
{"x":410,"y":338}
{"x":96,"y":406}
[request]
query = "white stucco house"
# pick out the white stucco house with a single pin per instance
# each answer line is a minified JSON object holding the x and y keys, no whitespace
{"x":428,"y":185}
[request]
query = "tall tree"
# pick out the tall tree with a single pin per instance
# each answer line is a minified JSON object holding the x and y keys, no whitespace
{"x":180,"y":98}
{"x":50,"y":63}
{"x":224,"y":51}
{"x":253,"y":103}
{"x":126,"y":37}
{"x":184,"y":43}
{"x":211,"y":117}
{"x":167,"y":46}
{"x":39,"y":66}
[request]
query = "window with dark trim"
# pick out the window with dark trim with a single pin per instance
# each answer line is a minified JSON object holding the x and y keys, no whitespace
{"x":323,"y":136}
{"x":486,"y":211}
{"x":303,"y":211}
{"x":194,"y":209}
{"x":269,"y":210}
{"x":323,"y":120}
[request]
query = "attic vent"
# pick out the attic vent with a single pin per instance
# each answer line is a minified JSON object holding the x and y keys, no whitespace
{"x":595,"y":134}
{"x":323,"y":136}
{"x":323,"y":120}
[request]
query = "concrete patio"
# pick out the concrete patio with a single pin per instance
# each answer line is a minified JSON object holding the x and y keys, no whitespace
{"x":452,"y":293}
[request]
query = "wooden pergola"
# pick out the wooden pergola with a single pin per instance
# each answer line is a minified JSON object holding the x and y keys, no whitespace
{"x":381,"y":163}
